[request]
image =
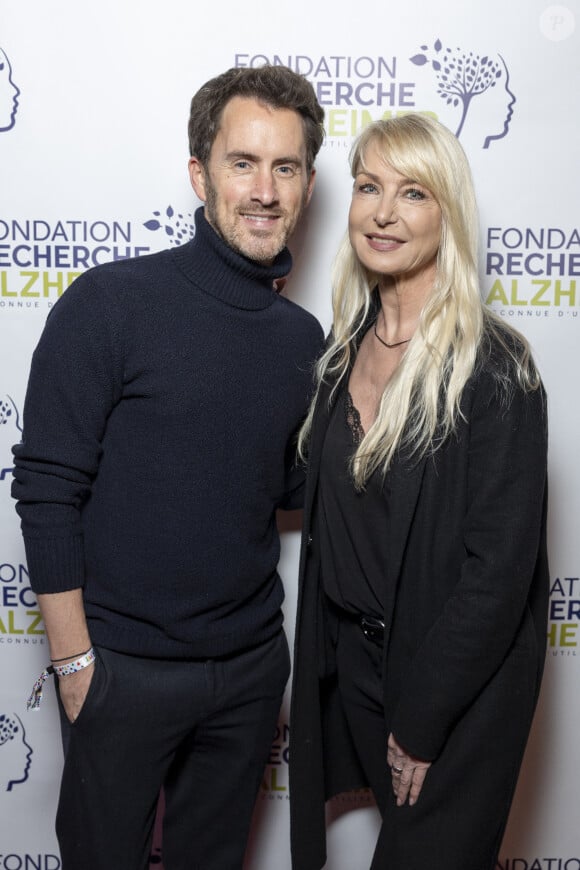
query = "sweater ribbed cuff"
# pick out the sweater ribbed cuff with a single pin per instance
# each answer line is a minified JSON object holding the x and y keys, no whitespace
{"x":55,"y":564}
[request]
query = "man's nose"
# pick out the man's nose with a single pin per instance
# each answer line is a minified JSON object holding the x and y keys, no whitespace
{"x":265,"y":189}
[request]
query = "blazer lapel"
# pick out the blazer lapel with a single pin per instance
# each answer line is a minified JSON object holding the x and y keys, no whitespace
{"x":320,"y":421}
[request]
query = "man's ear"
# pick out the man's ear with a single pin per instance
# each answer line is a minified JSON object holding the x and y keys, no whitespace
{"x":197,"y":177}
{"x":310,"y":186}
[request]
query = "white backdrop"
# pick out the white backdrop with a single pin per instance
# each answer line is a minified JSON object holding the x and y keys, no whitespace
{"x":94,"y":101}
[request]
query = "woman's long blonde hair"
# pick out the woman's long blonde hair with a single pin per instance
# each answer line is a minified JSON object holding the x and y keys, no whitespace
{"x":420,"y":405}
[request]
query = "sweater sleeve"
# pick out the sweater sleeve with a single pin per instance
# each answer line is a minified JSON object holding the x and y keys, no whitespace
{"x":295,"y":482}
{"x":74,"y":383}
{"x":502,"y":532}
{"x":295,"y":470}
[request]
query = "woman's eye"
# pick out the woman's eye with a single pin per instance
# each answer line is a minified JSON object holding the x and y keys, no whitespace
{"x":367,"y":187}
{"x":414,"y":193}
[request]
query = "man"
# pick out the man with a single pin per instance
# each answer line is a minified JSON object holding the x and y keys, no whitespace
{"x":158,"y":443}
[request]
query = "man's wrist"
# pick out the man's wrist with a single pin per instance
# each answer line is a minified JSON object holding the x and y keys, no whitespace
{"x":66,"y":670}
{"x":70,"y":658}
{"x":78,"y":664}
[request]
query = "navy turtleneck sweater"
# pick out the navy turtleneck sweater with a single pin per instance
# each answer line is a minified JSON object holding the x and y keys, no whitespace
{"x":159,"y":426}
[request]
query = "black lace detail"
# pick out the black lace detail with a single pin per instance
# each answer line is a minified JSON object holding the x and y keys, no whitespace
{"x":353,"y":420}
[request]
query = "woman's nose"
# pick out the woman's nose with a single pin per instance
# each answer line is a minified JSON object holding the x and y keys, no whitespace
{"x":385,"y":211}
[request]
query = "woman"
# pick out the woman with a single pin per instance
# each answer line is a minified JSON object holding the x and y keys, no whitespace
{"x":424,"y":577}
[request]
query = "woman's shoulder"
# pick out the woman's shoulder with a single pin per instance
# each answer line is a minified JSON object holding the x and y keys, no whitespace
{"x":500,"y":344}
{"x":505,"y":368}
{"x":505,"y":355}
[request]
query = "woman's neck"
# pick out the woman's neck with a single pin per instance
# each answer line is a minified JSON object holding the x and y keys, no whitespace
{"x":402,"y":299}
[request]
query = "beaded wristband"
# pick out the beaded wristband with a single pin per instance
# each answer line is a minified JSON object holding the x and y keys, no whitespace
{"x":78,"y":664}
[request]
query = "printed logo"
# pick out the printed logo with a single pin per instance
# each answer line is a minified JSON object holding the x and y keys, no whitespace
{"x":462,"y":77}
{"x":538,"y":864}
{"x":19,"y":861}
{"x":357,"y":90}
{"x":9,"y":94}
{"x":564,"y":617}
{"x":275,"y":781}
{"x":353,"y":90}
{"x":177,"y":227}
{"x":20,"y":619}
{"x":40,"y":259}
{"x":557,"y":23}
{"x":11,"y":426}
{"x":15,"y":752}
{"x":532,"y":271}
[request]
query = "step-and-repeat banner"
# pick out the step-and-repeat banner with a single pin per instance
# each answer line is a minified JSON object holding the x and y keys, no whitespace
{"x":94,"y":101}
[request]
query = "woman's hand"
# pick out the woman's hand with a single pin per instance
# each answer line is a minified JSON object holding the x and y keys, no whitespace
{"x":408,"y":773}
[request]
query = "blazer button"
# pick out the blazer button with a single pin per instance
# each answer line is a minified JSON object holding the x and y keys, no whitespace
{"x":309,"y":540}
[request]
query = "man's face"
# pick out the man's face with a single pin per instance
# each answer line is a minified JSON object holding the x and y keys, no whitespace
{"x":256,"y":183}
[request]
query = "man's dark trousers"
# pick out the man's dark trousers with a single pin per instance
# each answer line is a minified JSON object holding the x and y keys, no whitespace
{"x":200,"y":729}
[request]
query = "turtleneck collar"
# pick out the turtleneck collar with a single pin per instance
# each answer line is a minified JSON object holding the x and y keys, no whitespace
{"x":209,"y":263}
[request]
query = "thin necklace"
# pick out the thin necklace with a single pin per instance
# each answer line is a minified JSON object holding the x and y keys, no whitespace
{"x":386,"y":343}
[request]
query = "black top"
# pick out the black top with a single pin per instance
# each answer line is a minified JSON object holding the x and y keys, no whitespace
{"x":158,"y":443}
{"x":352,"y":524}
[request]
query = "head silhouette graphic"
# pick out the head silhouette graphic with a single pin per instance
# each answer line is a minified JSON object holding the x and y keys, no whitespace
{"x":475,"y":86}
{"x":8,"y":95}
{"x":10,"y":432}
{"x":15,"y":752}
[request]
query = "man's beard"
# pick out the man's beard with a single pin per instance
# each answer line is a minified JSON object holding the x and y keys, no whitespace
{"x":259,"y":250}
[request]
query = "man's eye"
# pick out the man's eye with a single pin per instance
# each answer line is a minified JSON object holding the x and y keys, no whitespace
{"x":286,"y":170}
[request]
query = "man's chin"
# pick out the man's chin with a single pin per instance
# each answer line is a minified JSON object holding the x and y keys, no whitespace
{"x":259,"y":245}
{"x":265,"y":254}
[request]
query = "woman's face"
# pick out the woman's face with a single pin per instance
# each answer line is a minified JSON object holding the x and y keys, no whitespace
{"x":394,"y":223}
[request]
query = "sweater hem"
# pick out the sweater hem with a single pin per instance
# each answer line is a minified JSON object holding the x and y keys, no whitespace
{"x":209,"y":646}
